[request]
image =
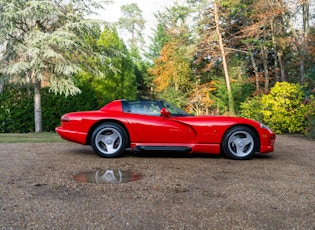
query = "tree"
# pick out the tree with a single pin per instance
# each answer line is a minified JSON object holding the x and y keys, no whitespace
{"x":175,"y":22}
{"x":122,"y":78}
{"x":44,"y":41}
{"x":160,"y":38}
{"x":133,"y":22}
{"x":259,"y":35}
{"x":171,"y":69}
{"x":141,"y":67}
{"x":200,"y":102}
{"x":213,"y":47}
{"x":172,"y":72}
{"x":224,"y":63}
{"x":300,"y":36}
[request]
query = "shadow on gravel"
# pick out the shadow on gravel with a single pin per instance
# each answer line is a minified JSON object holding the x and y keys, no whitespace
{"x":164,"y":154}
{"x":86,"y":150}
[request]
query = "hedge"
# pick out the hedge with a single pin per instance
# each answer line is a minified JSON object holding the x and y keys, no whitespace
{"x":17,"y":107}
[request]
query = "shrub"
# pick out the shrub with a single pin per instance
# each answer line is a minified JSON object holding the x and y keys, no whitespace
{"x":251,"y":108}
{"x":282,"y":109}
{"x":240,"y":89}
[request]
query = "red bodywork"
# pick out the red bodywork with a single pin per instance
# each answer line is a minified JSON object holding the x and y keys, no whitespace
{"x":201,"y":134}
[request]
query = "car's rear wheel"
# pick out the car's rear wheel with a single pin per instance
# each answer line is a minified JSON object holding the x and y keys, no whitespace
{"x":239,"y":143}
{"x":109,"y":140}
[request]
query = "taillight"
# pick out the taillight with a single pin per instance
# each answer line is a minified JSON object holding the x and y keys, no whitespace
{"x":65,"y":118}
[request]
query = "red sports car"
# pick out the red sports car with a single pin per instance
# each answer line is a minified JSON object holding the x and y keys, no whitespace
{"x":155,"y":125}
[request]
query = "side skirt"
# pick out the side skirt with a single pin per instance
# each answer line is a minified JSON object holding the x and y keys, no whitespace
{"x":185,"y":149}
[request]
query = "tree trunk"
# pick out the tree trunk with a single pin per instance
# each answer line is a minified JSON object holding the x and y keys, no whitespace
{"x":255,"y":68}
{"x":37,"y":107}
{"x":302,"y":65}
{"x":276,"y":66}
{"x":282,"y":70}
{"x":1,"y":86}
{"x":264,"y":56}
{"x":306,"y":20}
{"x":277,"y":74}
{"x":227,"y":79}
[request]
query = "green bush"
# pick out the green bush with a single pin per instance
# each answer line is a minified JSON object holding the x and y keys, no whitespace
{"x":240,"y":90}
{"x":282,"y":109}
{"x":251,"y":108}
{"x":17,"y":107}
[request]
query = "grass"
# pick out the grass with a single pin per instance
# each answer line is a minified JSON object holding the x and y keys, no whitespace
{"x":29,"y":137}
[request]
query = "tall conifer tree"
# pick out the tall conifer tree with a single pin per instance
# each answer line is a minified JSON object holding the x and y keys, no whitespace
{"x":43,"y":40}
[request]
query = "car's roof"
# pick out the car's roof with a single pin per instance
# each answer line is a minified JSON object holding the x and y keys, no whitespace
{"x":144,"y":100}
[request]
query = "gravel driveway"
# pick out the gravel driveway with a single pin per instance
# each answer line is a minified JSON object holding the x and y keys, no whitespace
{"x":275,"y":191}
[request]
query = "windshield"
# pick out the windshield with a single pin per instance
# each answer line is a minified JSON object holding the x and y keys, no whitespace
{"x":174,"y":110}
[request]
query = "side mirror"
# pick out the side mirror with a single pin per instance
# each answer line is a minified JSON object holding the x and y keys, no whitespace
{"x":165,"y":113}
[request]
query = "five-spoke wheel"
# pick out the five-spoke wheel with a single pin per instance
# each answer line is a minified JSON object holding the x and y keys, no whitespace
{"x":109,"y":140}
{"x":239,"y":143}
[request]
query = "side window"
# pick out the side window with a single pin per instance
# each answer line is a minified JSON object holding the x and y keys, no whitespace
{"x":143,"y":107}
{"x":153,"y":108}
{"x":135,"y":107}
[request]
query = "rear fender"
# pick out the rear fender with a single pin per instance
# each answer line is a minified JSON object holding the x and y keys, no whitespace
{"x":89,"y":136}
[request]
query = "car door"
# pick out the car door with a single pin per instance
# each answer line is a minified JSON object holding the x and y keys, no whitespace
{"x":156,"y":129}
{"x":145,"y":120}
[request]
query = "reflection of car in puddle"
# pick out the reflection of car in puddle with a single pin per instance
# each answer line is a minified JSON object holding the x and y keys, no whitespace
{"x":107,"y":177}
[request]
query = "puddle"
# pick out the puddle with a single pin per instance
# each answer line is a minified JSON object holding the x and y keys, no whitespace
{"x":107,"y":177}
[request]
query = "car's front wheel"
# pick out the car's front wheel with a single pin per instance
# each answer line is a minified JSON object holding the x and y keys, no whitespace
{"x":239,"y":143}
{"x":109,"y":140}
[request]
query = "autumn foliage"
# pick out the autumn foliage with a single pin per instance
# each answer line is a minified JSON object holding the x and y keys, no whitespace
{"x":171,"y":69}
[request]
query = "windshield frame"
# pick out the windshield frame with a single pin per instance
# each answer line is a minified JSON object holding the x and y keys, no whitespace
{"x":174,"y":110}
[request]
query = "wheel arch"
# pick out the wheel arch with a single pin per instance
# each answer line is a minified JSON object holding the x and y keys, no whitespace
{"x":257,"y":146}
{"x":89,"y":135}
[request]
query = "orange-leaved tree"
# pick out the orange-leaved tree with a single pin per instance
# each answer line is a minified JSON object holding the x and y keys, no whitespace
{"x":200,"y":102}
{"x":172,"y":68}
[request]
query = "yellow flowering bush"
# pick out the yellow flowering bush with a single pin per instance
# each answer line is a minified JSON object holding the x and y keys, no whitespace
{"x":282,"y":109}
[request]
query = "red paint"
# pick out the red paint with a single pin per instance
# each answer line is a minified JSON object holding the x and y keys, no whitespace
{"x":203,"y":134}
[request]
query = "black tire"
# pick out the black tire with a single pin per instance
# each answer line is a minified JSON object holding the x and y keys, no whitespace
{"x":239,"y":143}
{"x":109,"y":140}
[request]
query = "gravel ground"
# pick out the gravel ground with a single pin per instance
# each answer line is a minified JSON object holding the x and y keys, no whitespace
{"x":274,"y":191}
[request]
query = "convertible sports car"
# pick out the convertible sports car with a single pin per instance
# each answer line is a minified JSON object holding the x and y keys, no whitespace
{"x":155,"y":125}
